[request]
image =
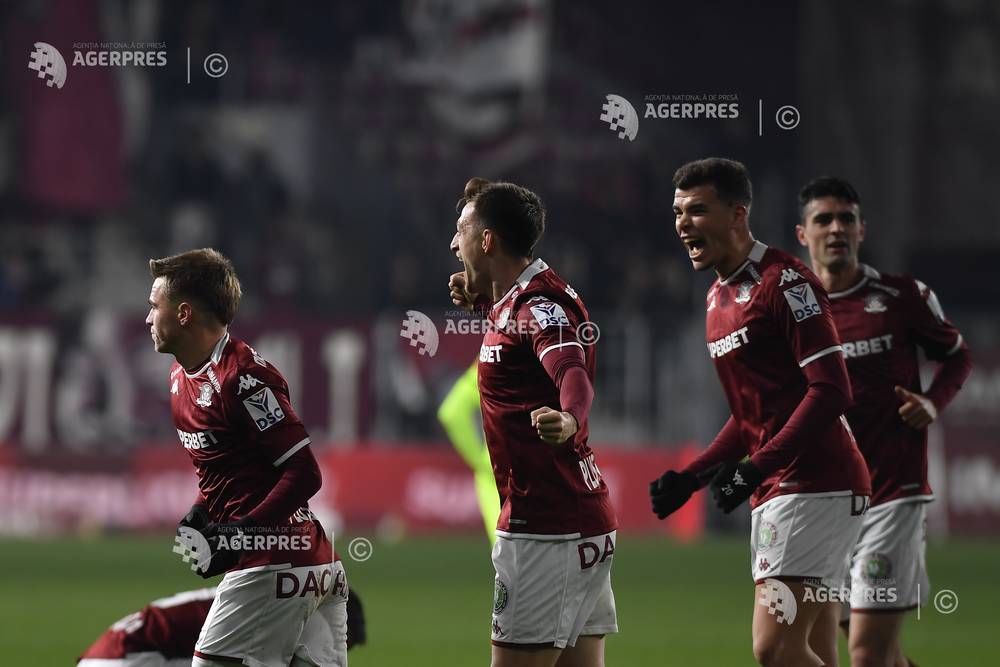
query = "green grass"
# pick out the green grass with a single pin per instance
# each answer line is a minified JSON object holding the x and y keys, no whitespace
{"x":428,"y":600}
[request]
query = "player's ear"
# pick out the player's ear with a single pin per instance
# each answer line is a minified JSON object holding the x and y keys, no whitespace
{"x":488,"y":240}
{"x":861,"y":230}
{"x":185,"y":313}
{"x":800,"y":234}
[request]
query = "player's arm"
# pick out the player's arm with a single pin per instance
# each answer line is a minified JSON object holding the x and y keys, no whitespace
{"x":551,"y":331}
{"x":479,"y":304}
{"x":941,"y":342}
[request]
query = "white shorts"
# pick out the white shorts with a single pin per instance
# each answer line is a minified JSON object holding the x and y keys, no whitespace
{"x":265,"y":617}
{"x":548,"y":593}
{"x":888,"y":566}
{"x":151,"y":659}
{"x":805,"y":536}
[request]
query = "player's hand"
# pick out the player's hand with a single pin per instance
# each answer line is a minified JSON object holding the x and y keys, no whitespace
{"x":223,"y":559}
{"x":460,"y":296}
{"x":671,"y":491}
{"x":554,"y":427}
{"x":917,"y":410}
{"x":356,"y":633}
{"x":197,"y":518}
{"x":734,"y":483}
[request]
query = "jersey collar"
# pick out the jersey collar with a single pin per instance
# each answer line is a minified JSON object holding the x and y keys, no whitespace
{"x":756,"y":255}
{"x":867,"y":273}
{"x":214,"y":359}
{"x":522,"y":281}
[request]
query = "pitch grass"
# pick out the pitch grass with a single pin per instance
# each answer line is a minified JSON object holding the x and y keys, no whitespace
{"x":428,"y":600}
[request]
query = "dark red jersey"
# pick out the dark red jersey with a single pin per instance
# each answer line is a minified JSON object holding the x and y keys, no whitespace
{"x":552,"y":490}
{"x":765,"y":322}
{"x":882,"y":321}
{"x":169,"y":626}
{"x":234,"y":418}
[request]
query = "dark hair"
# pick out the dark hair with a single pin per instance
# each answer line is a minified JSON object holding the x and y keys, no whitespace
{"x":515,"y":213}
{"x":828,"y":186}
{"x":729,"y":177}
{"x":205,"y":276}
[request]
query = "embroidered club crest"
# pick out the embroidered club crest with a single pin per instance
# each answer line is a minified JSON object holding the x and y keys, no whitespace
{"x":205,"y":395}
{"x":874,"y":304}
{"x":743,"y":291}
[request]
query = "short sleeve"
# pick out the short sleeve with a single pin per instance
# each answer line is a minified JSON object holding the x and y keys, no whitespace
{"x":261,"y":404}
{"x":931,"y":329}
{"x":802,"y":314}
{"x":548,"y":326}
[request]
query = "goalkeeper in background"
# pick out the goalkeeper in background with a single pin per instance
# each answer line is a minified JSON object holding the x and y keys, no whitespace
{"x":459,"y":415}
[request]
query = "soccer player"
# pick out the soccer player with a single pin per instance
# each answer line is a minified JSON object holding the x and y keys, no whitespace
{"x":771,"y":337}
{"x":553,"y":601}
{"x":458,"y":415}
{"x":256,"y":472}
{"x":164,"y":632}
{"x":883,"y":320}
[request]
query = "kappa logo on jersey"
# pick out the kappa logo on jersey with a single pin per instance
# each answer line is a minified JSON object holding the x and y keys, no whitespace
{"x":205,"y":395}
{"x":504,"y":317}
{"x":802,"y":301}
{"x":788,"y":275}
{"x":173,"y":387}
{"x":874,"y":304}
{"x":264,"y":409}
{"x":743,"y":292}
{"x":259,"y":360}
{"x":247,"y":382}
{"x":738,"y":479}
{"x":572,"y":292}
{"x":549,"y":313}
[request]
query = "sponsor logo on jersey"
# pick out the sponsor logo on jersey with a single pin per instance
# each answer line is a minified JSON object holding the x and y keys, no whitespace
{"x":591,"y":554}
{"x":264,"y":409}
{"x":199,"y":440}
{"x":862,"y":348}
{"x":214,"y":380}
{"x":789,"y":275}
{"x":490,"y":353}
{"x":504,"y":317}
{"x":743,"y":291}
{"x":802,"y":301}
{"x":499,"y":596}
{"x":591,"y":473}
{"x":173,"y":387}
{"x":247,"y":382}
{"x":728,"y":343}
{"x":767,"y":535}
{"x":205,"y":395}
{"x":549,"y":313}
{"x":874,"y":303}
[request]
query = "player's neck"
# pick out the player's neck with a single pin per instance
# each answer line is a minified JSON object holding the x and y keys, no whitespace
{"x":839,"y":279}
{"x":741,"y":250}
{"x":505,"y":272}
{"x":199,"y":349}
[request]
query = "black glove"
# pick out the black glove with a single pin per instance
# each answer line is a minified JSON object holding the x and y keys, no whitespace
{"x":734,"y":483}
{"x":356,"y":633}
{"x":671,"y":491}
{"x":222,"y":559}
{"x":197,"y":518}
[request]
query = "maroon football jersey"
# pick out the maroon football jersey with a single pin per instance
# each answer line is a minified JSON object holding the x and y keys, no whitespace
{"x":882,"y":321}
{"x":764,"y":323}
{"x":551,"y":490}
{"x":234,"y":418}
{"x":169,"y":626}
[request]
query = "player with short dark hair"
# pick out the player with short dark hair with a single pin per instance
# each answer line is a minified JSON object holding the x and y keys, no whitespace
{"x":256,"y":473}
{"x":553,"y":602}
{"x":883,"y":320}
{"x":772,"y":340}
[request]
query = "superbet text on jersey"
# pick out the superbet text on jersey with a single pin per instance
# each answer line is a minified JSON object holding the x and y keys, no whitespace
{"x":234,"y":418}
{"x":764,"y":323}
{"x":882,"y":321}
{"x":549,"y":489}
